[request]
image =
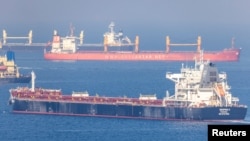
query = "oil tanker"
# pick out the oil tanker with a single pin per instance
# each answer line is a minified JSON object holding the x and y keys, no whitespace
{"x":9,"y":72}
{"x":201,"y":93}
{"x":117,"y":47}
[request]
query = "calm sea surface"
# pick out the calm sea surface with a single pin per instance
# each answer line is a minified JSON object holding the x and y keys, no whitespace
{"x":109,"y":79}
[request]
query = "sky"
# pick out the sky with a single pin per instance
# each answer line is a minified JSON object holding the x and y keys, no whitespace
{"x":133,"y":11}
{"x":157,"y":17}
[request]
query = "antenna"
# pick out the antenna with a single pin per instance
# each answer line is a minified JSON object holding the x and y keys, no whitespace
{"x":72,"y":28}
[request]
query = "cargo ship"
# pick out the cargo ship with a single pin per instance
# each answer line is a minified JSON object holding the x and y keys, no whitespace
{"x":9,"y":72}
{"x":201,"y":94}
{"x":116,"y":47}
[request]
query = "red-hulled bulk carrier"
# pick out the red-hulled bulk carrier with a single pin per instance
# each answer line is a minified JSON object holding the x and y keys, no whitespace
{"x":114,"y":48}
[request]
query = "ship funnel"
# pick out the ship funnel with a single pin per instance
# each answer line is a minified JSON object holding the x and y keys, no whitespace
{"x":33,"y":77}
{"x":10,"y":56}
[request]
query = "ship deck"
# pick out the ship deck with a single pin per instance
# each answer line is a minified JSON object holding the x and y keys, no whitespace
{"x":56,"y":96}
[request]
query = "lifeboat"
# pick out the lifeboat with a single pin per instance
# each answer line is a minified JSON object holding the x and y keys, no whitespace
{"x":3,"y":68}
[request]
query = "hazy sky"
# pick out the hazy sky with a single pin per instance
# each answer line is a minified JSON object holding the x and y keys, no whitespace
{"x":92,"y":15}
{"x":135,"y":11}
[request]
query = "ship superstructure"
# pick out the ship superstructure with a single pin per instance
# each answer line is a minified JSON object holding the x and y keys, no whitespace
{"x":72,"y":44}
{"x":202,"y":85}
{"x":66,"y":44}
{"x":201,"y":93}
{"x":9,"y":72}
{"x":116,"y":39}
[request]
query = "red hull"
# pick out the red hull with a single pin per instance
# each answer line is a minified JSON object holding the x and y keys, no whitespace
{"x":224,"y":55}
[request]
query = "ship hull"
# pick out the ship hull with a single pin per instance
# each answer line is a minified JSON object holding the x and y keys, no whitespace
{"x":128,"y":111}
{"x":225,"y":55}
{"x":24,"y":79}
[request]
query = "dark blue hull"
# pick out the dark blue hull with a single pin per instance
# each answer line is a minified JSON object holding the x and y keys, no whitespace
{"x":129,"y":111}
{"x":24,"y":48}
{"x":23,"y":79}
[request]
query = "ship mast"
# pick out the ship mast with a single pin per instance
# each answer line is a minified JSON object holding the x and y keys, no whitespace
{"x":71,"y":30}
{"x":33,"y":77}
{"x":111,"y":26}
